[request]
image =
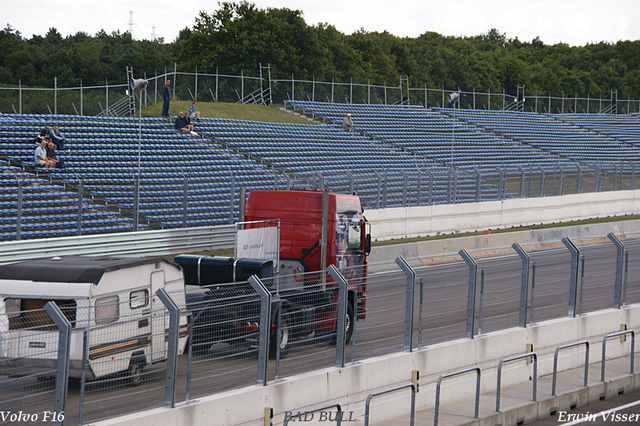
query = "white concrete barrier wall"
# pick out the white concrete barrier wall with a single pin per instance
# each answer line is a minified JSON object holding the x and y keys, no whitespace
{"x":422,"y":221}
{"x":350,"y":386}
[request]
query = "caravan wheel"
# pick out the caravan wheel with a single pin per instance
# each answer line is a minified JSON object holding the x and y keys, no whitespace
{"x":134,"y":373}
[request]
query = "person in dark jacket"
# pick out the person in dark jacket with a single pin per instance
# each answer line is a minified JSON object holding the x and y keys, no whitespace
{"x":182,"y":124}
{"x":166,"y":97}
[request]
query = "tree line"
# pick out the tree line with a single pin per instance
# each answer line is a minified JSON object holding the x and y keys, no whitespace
{"x":239,"y":36}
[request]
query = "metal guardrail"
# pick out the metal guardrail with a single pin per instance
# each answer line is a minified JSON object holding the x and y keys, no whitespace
{"x":299,"y":414}
{"x":457,"y":373}
{"x":382,"y":392}
{"x":604,"y":350}
{"x":514,"y":358}
{"x":555,"y":363}
{"x":144,"y":243}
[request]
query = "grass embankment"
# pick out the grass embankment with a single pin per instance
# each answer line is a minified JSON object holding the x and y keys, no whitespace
{"x":226,"y":110}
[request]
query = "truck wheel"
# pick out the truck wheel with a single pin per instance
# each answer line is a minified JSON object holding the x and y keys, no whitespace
{"x":134,"y":373}
{"x":348,"y":332}
{"x":348,"y":327}
{"x":284,"y":338}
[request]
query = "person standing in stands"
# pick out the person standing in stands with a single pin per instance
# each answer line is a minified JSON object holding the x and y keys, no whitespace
{"x":40,"y":154}
{"x":57,"y":137}
{"x":166,"y":97}
{"x":347,"y":123}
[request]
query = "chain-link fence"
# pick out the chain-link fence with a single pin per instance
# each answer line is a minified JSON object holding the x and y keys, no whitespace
{"x":127,"y":355}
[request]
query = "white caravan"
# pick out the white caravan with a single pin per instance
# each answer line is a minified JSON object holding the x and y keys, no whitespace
{"x":113,"y":298}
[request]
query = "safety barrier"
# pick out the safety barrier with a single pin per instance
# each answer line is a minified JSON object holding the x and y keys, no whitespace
{"x":457,"y":373}
{"x":514,"y":358}
{"x":604,"y":350}
{"x":299,"y":414}
{"x":394,"y":389}
{"x":555,"y":363}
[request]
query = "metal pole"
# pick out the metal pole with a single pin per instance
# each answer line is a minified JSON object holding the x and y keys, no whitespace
{"x":533,"y":287}
{"x":232,"y":199}
{"x":64,"y":349}
{"x":264,"y":330}
{"x":185,"y":195}
{"x":20,"y":96}
{"x":573,"y":280}
{"x":409,"y":303}
{"x":341,"y":314}
{"x":172,"y":347}
{"x":481,"y":302}
{"x":80,"y":198}
{"x":195,"y":90}
{"x":524,"y":283}
{"x":19,"y":210}
{"x":471,"y":296}
{"x":55,"y":95}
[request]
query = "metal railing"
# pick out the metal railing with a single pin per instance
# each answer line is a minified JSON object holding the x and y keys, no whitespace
{"x":457,"y":373}
{"x":555,"y":363}
{"x":604,"y":350}
{"x":515,"y":358}
{"x":211,"y":85}
{"x":412,"y":412}
{"x":263,"y":330}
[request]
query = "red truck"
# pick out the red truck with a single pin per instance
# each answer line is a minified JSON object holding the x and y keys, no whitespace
{"x":348,"y":242}
{"x":307,"y":301}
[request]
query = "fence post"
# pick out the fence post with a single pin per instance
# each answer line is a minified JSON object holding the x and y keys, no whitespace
{"x":478,"y":184}
{"x":136,"y":202}
{"x":172,"y":347}
{"x":542,"y":181}
{"x":106,"y":96}
{"x":80,"y":198}
{"x":573,"y":280}
{"x":216,"y":99}
{"x":419,"y":187}
{"x":55,"y":95}
{"x":598,"y":178}
{"x":19,"y":210}
{"x":195,"y":89}
{"x":430,"y":199}
{"x":64,"y":348}
{"x":352,"y":184}
{"x":633,"y":175}
{"x":619,"y":269}
{"x":20,"y":95}
{"x":265,"y":319}
{"x":523,"y":178}
{"x":342,"y":314}
{"x":500,"y":183}
{"x":409,"y":303}
{"x":184,"y":200}
{"x":578,"y":179}
{"x":404,"y":188}
{"x":524,"y":284}
{"x":471,"y":297}
{"x":232,"y":199}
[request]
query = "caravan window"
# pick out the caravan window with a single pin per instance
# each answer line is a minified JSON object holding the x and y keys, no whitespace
{"x":30,"y":313}
{"x":107,"y":309}
{"x":138,"y":299}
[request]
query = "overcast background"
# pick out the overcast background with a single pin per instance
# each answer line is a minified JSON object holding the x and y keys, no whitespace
{"x":576,"y":22}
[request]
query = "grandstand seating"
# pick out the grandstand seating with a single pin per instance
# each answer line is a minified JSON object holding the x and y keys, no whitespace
{"x":392,"y":148}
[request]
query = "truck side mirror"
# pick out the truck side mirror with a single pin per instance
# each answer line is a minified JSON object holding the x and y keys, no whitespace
{"x":367,"y":244}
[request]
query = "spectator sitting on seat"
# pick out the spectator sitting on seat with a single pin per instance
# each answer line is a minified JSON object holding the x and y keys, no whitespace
{"x":57,"y":137}
{"x":40,"y":154}
{"x":347,"y":123}
{"x":45,"y":133}
{"x":182,"y":123}
{"x":52,"y":157}
{"x":192,"y":112}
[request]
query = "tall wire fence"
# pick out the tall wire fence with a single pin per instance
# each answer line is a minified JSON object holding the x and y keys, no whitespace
{"x":122,"y":360}
{"x":261,"y":87}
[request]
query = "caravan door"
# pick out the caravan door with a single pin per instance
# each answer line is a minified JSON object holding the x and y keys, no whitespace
{"x":158,"y":326}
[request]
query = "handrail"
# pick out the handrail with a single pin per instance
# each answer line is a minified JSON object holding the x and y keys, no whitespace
{"x":514,"y":358}
{"x":313,"y":410}
{"x":382,"y":392}
{"x":604,"y":350}
{"x":555,"y":363}
{"x":456,"y":373}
